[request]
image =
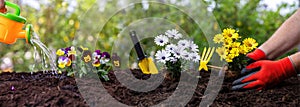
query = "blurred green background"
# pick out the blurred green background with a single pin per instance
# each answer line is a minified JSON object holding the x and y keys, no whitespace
{"x":63,"y":23}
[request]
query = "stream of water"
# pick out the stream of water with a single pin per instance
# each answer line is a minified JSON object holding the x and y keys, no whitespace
{"x":42,"y":54}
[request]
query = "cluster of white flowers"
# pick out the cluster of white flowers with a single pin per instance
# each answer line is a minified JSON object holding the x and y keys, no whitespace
{"x":174,"y":48}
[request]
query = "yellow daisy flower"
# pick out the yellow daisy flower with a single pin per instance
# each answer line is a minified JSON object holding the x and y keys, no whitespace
{"x":243,"y":49}
{"x":219,"y":38}
{"x":235,"y":36}
{"x":235,"y":45}
{"x":227,"y":43}
{"x":250,"y":43}
{"x":230,"y":57}
{"x":235,"y":52}
{"x":228,"y":33}
{"x":231,"y":47}
{"x":222,"y":52}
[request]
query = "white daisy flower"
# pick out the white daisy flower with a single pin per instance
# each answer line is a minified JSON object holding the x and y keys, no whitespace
{"x":173,"y":34}
{"x":193,"y":47}
{"x":161,"y":40}
{"x":178,"y":52}
{"x":171,"y":48}
{"x":183,"y":43}
{"x":185,"y":55}
{"x":195,"y":57}
{"x":173,"y":59}
{"x":162,"y":56}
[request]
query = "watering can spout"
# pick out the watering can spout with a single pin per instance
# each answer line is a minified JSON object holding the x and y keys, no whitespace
{"x":26,"y":34}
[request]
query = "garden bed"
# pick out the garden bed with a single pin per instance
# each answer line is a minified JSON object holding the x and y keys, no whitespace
{"x":38,"y":89}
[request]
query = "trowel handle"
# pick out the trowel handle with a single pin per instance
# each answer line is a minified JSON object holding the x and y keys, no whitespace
{"x":137,"y":45}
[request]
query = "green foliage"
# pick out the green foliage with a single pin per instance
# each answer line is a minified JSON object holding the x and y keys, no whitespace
{"x":103,"y":71}
{"x":174,"y":68}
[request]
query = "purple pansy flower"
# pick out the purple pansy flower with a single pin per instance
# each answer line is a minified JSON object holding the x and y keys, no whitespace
{"x":63,"y":61}
{"x":96,"y":63}
{"x":67,"y":50}
{"x":105,"y":57}
{"x":97,"y":54}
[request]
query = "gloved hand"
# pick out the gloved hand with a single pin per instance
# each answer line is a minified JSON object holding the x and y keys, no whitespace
{"x":264,"y":74}
{"x":4,"y":10}
{"x":2,"y":6}
{"x":256,"y":55}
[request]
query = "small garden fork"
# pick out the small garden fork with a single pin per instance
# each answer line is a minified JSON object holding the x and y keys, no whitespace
{"x":205,"y":58}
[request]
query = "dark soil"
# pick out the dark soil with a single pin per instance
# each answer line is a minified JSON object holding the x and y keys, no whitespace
{"x":51,"y":90}
{"x":38,"y":89}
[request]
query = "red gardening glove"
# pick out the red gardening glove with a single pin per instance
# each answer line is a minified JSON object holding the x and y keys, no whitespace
{"x":264,"y":74}
{"x":256,"y":55}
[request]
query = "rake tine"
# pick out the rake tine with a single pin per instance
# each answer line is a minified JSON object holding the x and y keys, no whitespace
{"x":203,"y":53}
{"x":211,"y":53}
{"x":207,"y":54}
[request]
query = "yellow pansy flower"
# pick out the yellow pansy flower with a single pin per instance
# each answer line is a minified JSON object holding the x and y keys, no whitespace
{"x":63,"y":62}
{"x":72,"y":51}
{"x":87,"y":58}
{"x":84,"y":48}
{"x":61,"y":65}
{"x":69,"y":63}
{"x":60,"y":52}
{"x":96,"y":64}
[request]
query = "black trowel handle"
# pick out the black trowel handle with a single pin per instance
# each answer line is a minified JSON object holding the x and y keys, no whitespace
{"x":137,"y":46}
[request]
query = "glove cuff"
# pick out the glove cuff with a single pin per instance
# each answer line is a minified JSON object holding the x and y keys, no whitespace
{"x":294,"y":65}
{"x":256,"y":55}
{"x":288,"y":67}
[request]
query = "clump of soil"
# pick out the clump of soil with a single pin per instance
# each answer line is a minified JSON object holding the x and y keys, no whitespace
{"x":40,"y":89}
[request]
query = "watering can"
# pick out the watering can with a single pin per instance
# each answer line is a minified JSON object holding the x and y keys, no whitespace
{"x":11,"y":26}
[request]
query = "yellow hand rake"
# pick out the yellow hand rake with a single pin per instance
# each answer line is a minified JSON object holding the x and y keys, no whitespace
{"x":205,"y":58}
